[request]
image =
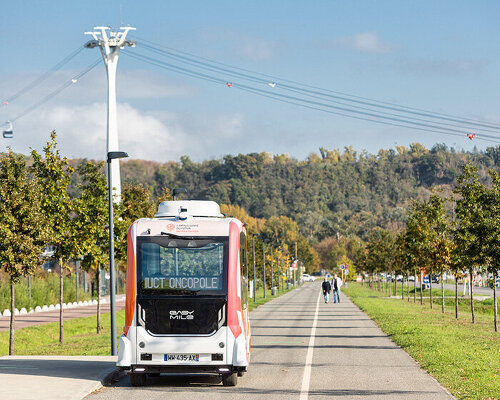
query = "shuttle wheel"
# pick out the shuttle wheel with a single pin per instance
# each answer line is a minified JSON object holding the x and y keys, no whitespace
{"x":230,"y":379}
{"x":137,"y":379}
{"x":241,"y":373}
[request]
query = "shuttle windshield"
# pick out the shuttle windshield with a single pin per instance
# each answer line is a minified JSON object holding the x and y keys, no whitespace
{"x":181,"y":266}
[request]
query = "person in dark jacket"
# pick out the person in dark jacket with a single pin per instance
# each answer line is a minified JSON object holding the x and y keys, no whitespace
{"x":327,"y":288}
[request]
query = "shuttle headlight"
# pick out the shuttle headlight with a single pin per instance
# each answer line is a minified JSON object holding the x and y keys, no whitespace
{"x":141,"y":345}
{"x":221,"y":345}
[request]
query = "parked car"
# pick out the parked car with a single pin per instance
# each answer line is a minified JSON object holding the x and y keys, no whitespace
{"x":308,"y":278}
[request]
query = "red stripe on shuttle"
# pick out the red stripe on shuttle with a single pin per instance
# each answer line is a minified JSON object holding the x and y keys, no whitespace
{"x":131,"y":281}
{"x":233,"y":301}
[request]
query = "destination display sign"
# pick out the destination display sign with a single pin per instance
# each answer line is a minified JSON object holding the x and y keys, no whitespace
{"x":189,"y":283}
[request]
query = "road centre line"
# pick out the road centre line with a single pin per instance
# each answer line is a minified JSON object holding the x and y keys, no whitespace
{"x":306,"y":379}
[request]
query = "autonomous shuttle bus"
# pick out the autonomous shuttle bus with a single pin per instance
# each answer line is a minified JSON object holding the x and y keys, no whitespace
{"x":186,"y":307}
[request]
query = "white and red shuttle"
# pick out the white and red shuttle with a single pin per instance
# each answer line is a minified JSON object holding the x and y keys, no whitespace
{"x":187,"y":294}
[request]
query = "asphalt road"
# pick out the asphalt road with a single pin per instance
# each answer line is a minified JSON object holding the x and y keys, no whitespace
{"x":303,"y":348}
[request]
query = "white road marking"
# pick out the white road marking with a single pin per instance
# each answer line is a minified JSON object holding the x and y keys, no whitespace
{"x":306,"y":379}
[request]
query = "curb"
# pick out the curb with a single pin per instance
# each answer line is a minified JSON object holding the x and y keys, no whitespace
{"x":105,"y":379}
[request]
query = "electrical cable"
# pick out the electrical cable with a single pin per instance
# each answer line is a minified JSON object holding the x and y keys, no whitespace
{"x":312,"y":104}
{"x":308,"y":93}
{"x":367,"y":101}
{"x":45,"y":75}
{"x":58,"y":90}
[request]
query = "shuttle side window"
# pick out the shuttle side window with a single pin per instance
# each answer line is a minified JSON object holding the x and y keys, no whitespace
{"x":244,"y":270}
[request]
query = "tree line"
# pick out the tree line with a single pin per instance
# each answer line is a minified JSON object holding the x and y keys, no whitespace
{"x":332,"y":193}
{"x":458,"y":233}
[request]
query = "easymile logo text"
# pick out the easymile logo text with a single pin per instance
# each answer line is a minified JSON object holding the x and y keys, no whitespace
{"x":181,"y":314}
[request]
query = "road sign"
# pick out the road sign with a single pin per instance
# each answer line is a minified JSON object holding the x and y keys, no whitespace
{"x":342,"y":266}
{"x":346,"y":272}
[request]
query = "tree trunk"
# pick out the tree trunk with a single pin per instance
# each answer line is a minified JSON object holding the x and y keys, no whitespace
{"x":456,"y":296}
{"x":414,"y":287}
{"x":430,"y":287}
{"x":12,"y":317}
{"x":472,"y":299}
{"x":395,"y":285}
{"x":403,"y":288}
{"x":421,"y":280}
{"x":98,"y":276}
{"x":442,"y":292}
{"x":408,"y":286}
{"x":61,"y":290}
{"x":495,"y":310}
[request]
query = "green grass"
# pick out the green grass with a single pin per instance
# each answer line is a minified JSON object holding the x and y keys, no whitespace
{"x":463,"y":357}
{"x":44,"y":290}
{"x":481,"y":307}
{"x":260,"y":297}
{"x":80,"y":334}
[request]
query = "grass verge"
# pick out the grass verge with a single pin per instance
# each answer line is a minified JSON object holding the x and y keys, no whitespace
{"x":80,"y":334}
{"x":260,"y":297}
{"x":80,"y":337}
{"x":463,"y":357}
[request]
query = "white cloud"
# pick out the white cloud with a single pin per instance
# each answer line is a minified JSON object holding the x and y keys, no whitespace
{"x":155,"y":135}
{"x":364,"y":42}
{"x":81,"y":132}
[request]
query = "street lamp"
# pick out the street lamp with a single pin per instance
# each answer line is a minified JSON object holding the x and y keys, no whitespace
{"x":254,"y":275}
{"x":264,"y":264}
{"x":112,"y":155}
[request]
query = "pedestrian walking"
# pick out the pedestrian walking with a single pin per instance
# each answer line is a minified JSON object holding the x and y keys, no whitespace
{"x":327,"y":288}
{"x":336,"y":283}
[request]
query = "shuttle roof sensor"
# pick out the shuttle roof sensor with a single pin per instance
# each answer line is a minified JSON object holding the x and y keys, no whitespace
{"x":193,"y":208}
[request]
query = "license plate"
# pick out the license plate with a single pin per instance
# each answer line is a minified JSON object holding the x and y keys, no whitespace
{"x":182,"y":357}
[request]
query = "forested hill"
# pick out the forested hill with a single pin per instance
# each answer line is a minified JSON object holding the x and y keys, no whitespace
{"x":329,"y":193}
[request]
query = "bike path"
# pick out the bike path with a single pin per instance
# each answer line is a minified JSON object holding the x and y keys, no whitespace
{"x":46,"y":317}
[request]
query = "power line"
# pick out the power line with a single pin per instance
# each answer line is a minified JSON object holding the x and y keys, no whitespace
{"x":57,"y":91}
{"x":399,"y":122}
{"x":324,"y":92}
{"x":45,"y":75}
{"x":309,"y":93}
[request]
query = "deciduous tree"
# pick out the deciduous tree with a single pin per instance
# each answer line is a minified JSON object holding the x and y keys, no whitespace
{"x":54,"y":175}
{"x":92,"y":219}
{"x":22,"y":225}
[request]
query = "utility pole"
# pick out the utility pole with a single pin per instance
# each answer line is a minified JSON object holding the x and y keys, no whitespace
{"x":278,"y":266}
{"x":254,"y":275}
{"x":264,"y":264}
{"x":282,"y":266}
{"x":272,"y":269}
{"x":296,"y":265}
{"x":110,"y":44}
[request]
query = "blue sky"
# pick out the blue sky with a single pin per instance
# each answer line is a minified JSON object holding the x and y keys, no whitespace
{"x":442,"y":56}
